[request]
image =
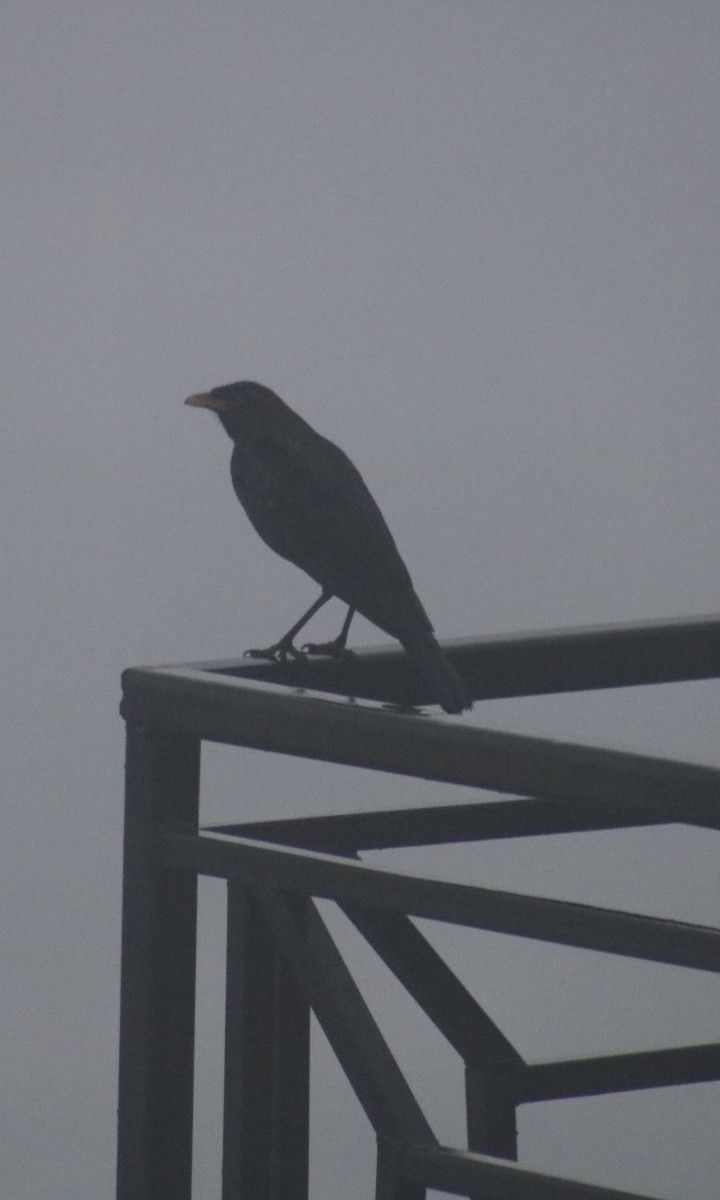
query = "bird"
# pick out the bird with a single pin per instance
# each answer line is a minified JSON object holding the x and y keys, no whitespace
{"x":310,"y":504}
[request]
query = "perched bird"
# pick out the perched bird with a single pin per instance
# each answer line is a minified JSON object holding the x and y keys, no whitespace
{"x":310,"y":504}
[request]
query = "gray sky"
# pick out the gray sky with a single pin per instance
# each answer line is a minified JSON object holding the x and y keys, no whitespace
{"x":477,"y":245}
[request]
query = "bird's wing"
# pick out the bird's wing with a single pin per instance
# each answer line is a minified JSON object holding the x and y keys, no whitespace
{"x":310,"y":504}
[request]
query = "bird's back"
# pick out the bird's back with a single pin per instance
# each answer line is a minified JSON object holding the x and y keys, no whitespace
{"x":310,"y":504}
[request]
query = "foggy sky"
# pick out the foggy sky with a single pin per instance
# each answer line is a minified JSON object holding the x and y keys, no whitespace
{"x":477,"y":246}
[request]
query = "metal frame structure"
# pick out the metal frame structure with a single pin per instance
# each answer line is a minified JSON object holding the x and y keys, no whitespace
{"x":282,"y":962}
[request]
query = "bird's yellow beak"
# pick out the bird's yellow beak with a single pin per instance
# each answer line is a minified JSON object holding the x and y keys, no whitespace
{"x":205,"y":400}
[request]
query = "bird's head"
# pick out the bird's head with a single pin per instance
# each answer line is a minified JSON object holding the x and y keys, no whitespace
{"x":247,"y":410}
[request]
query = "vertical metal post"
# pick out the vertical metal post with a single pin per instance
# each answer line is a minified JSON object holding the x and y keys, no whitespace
{"x":291,"y":1115}
{"x":267,"y":1056}
{"x":157,"y":1017}
{"x":388,"y":1183}
{"x":490,"y":1100}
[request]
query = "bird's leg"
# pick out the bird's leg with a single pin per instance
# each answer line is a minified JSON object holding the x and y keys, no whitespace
{"x":284,"y":649}
{"x":337,"y":648}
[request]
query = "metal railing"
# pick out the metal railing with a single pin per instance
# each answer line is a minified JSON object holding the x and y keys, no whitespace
{"x":282,"y":962}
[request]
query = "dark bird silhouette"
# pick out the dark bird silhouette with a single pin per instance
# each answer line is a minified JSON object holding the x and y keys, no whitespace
{"x":310,"y":504}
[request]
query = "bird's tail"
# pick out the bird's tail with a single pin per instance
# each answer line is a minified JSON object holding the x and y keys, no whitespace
{"x":439,"y":674}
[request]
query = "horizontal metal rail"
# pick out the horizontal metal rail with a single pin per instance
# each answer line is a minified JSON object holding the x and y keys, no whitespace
{"x":558,"y":921}
{"x":245,"y":714}
{"x":617,"y":1073}
{"x":522,"y":664}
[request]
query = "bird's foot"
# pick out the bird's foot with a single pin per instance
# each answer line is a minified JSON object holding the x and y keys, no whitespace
{"x":280,"y":652}
{"x":335,"y":649}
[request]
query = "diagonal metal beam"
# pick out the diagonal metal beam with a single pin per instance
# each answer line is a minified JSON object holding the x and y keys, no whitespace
{"x":431,"y":983}
{"x":434,"y":825}
{"x":345,"y":1018}
{"x":462,"y":1173}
